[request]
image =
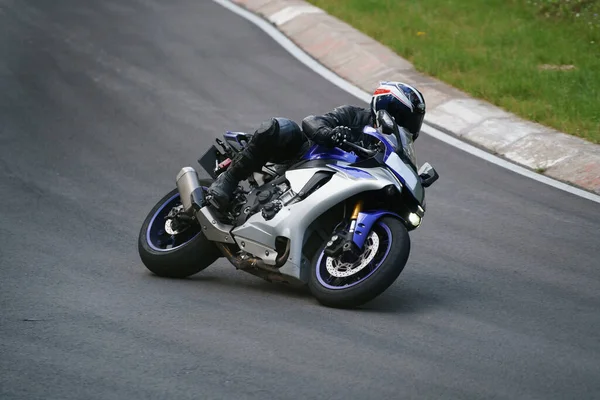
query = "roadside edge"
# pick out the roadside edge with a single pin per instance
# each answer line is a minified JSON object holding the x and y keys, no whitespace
{"x":356,"y":63}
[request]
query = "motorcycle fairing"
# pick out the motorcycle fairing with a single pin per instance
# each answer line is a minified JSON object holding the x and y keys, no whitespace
{"x":407,"y":176}
{"x":403,"y":172}
{"x":352,"y":172}
{"x":293,"y":220}
{"x":318,"y":152}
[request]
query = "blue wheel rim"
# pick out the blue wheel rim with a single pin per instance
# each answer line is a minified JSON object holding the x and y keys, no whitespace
{"x":156,"y":236}
{"x":334,"y":283}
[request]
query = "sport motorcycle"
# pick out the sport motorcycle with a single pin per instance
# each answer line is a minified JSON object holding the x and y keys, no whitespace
{"x":337,"y":220}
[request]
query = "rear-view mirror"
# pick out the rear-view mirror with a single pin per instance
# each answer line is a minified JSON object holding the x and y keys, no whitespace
{"x":428,"y":175}
{"x":386,"y":122}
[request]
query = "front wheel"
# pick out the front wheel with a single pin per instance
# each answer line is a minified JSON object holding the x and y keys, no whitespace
{"x":336,"y":283}
{"x":174,"y":253}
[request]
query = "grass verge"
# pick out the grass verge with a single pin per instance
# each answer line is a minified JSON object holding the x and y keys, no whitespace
{"x":537,"y":59}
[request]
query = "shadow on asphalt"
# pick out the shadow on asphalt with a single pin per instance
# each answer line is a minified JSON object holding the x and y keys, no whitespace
{"x":404,"y":300}
{"x":249,"y":283}
{"x":419,"y":293}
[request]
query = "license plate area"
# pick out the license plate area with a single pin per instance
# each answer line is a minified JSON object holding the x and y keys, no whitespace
{"x":211,"y":160}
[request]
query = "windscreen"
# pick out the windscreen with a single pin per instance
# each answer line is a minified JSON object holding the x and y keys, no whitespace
{"x":407,"y":150}
{"x":402,"y":142}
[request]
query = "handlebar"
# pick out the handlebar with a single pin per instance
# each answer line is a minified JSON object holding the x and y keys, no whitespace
{"x":365,"y":152}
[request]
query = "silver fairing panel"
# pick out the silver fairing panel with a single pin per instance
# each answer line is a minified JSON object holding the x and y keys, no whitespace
{"x":293,"y":220}
{"x":412,"y":180}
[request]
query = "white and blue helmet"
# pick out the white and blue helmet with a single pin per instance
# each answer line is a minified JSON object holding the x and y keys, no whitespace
{"x":403,"y":102}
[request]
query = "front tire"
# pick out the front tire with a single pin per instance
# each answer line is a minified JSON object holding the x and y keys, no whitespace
{"x":342,"y":285}
{"x":174,"y":256}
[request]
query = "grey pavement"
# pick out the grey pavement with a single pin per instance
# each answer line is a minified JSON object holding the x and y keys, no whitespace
{"x":103,"y":102}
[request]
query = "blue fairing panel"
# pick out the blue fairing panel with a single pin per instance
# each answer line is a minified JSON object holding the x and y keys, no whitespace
{"x":318,"y":152}
{"x":353,"y":172}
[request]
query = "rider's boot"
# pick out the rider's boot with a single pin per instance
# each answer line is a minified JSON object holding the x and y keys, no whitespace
{"x":221,"y":191}
{"x":274,"y":139}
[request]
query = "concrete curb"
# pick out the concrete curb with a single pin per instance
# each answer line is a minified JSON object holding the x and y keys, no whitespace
{"x":364,"y":62}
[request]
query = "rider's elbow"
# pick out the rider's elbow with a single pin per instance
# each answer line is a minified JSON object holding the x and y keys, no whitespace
{"x":310,"y":125}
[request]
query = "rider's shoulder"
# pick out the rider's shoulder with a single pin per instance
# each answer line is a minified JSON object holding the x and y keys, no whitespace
{"x":350,"y":108}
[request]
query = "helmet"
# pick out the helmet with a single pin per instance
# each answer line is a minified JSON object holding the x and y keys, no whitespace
{"x":403,"y":102}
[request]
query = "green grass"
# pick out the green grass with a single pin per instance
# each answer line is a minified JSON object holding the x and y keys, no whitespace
{"x":495,"y":50}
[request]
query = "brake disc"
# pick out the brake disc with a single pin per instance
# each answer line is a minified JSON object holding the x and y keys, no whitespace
{"x":170,"y":227}
{"x":341,"y":269}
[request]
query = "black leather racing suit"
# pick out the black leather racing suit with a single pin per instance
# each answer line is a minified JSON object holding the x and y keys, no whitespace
{"x":318,"y":128}
{"x":279,"y":140}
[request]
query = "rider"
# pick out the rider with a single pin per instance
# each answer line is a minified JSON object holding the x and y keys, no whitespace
{"x":280,"y":139}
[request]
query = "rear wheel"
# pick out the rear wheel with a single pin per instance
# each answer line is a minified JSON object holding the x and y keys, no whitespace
{"x":336,"y":283}
{"x":174,"y":252}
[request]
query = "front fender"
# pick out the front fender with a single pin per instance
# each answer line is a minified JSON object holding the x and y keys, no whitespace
{"x":365,"y":222}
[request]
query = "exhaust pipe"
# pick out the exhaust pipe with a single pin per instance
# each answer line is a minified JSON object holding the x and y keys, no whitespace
{"x":189,"y":189}
{"x":193,"y":201}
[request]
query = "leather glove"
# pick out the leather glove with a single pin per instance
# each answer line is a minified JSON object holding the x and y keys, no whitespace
{"x":338,"y":135}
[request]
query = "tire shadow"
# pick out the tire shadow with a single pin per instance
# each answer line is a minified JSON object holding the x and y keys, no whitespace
{"x":414,"y":292}
{"x":241,"y":281}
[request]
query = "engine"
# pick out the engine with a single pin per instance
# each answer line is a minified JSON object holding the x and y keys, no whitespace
{"x":270,"y":197}
{"x":267,"y":199}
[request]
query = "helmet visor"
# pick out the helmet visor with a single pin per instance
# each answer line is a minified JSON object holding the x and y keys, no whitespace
{"x":416,"y":122}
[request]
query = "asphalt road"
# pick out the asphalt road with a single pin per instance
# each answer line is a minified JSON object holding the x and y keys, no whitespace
{"x":101,"y":103}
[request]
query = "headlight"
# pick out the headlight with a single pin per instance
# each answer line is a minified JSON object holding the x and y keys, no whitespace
{"x":414,"y":219}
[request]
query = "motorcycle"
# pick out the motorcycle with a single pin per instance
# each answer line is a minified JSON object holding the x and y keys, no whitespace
{"x":337,"y":220}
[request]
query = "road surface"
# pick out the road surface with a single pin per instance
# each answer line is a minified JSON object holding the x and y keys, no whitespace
{"x":103,"y":102}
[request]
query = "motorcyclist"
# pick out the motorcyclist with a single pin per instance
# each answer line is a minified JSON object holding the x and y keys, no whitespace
{"x":278,"y":140}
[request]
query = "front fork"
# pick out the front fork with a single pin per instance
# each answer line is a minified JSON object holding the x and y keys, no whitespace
{"x":344,"y":245}
{"x":357,"y":209}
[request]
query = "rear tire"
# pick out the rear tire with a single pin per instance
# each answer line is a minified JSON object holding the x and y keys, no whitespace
{"x":379,"y":274}
{"x":193,"y":253}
